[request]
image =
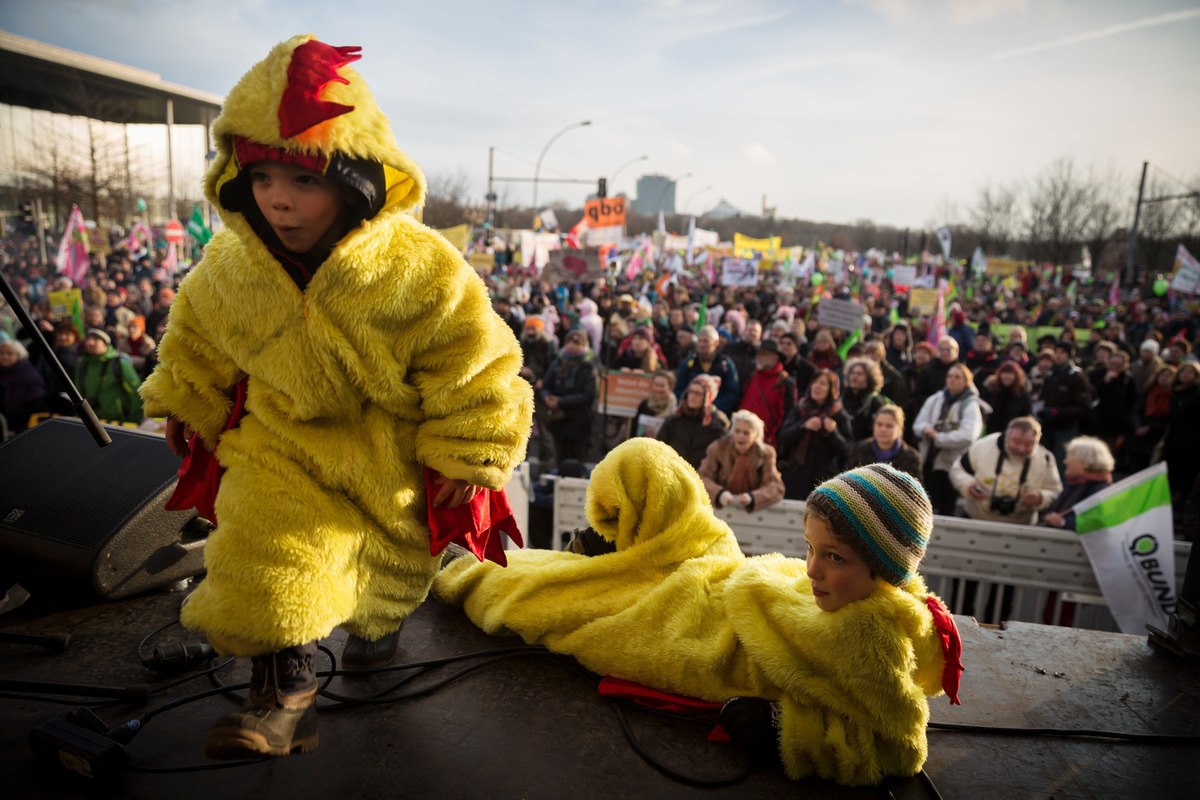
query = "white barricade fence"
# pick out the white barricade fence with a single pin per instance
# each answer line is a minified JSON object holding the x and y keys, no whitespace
{"x":979,"y":568}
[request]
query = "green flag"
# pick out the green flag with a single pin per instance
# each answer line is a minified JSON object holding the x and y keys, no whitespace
{"x":702,"y":320}
{"x":846,"y":345}
{"x":197,"y":228}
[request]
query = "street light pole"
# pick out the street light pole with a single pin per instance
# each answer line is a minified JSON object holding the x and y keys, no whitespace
{"x":613,"y":179}
{"x":695,"y":194}
{"x":538,"y":168}
{"x":663,"y":194}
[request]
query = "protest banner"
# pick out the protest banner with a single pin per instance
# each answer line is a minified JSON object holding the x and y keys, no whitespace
{"x":904,"y":276}
{"x":922,"y":301}
{"x":602,"y":237}
{"x":745,"y":247}
{"x":482,"y":262}
{"x":68,"y":305}
{"x":572,"y":266}
{"x":622,"y":392}
{"x":739,"y":272}
{"x":1005,"y":266}
{"x":458,"y":236}
{"x":1127,"y":532}
{"x":604,"y":212}
{"x":841,"y":314}
{"x":1187,"y":271}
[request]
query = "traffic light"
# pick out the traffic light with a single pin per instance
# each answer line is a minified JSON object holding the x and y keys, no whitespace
{"x":602,"y":188}
{"x":27,"y":218}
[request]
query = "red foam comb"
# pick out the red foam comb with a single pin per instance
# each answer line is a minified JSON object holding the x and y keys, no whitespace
{"x":314,"y":64}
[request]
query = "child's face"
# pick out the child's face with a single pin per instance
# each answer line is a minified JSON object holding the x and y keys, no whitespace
{"x":302,"y":207}
{"x":838,"y":575}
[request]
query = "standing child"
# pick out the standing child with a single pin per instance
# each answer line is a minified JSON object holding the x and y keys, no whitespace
{"x":329,"y":347}
{"x":842,"y":649}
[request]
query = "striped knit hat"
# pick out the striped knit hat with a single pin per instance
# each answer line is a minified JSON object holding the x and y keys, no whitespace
{"x":882,"y":513}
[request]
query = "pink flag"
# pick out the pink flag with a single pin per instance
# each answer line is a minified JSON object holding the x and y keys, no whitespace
{"x":938,"y":329}
{"x":171,"y":264}
{"x":73,"y":250}
{"x":1114,"y":294}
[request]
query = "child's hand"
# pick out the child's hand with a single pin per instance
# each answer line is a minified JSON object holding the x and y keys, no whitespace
{"x":453,"y":493}
{"x":178,"y":435}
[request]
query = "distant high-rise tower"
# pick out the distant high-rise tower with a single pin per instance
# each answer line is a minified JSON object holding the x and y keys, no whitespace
{"x":655,"y":192}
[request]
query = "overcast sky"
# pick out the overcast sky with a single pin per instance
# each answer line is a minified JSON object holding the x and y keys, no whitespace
{"x":835,"y":110}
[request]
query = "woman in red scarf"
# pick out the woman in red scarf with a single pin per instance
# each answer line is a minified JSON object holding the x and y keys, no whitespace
{"x":739,"y":468}
{"x":815,"y":437}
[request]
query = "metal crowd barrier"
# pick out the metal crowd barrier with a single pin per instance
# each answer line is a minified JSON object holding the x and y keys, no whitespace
{"x":975,"y":566}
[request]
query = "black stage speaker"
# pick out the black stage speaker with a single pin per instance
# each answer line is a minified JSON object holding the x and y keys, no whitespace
{"x":96,"y":513}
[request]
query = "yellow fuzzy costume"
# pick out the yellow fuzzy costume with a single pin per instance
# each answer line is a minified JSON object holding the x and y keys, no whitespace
{"x":679,"y":608}
{"x":390,"y":359}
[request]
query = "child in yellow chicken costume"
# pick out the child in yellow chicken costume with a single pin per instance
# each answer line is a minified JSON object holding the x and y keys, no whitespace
{"x":330,"y":348}
{"x":846,"y":646}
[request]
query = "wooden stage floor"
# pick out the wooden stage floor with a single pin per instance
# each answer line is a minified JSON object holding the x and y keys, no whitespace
{"x":531,"y":728}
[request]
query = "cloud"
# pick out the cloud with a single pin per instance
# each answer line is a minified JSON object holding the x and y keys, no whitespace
{"x":1102,"y":33}
{"x":960,"y":11}
{"x":678,"y":149}
{"x":757,"y":153}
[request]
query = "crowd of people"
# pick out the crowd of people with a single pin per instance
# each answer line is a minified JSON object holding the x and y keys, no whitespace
{"x":750,"y":389}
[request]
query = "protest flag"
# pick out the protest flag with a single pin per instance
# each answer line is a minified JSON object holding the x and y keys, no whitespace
{"x":691,"y":243}
{"x":171,"y":263}
{"x":702,"y":320}
{"x":197,"y":227}
{"x":943,"y":237}
{"x":1127,"y":532}
{"x":938,"y":329}
{"x":73,"y":250}
{"x":846,"y":345}
{"x":1114,"y":294}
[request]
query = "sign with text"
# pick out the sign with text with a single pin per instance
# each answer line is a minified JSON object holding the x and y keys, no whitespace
{"x":1005,"y":266}
{"x":605,"y":212}
{"x":922,"y":301}
{"x":1187,"y":271}
{"x":739,"y":272}
{"x":573,"y":266}
{"x":622,"y":392}
{"x":745,"y":247}
{"x":904,"y":276}
{"x":608,"y":235}
{"x":840,"y":314}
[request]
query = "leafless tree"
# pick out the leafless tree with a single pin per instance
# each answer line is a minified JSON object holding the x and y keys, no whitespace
{"x":1059,"y":205}
{"x":996,"y":217}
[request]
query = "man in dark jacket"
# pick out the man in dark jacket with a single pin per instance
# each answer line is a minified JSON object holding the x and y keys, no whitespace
{"x":538,"y":352}
{"x":932,"y":378}
{"x":707,"y":360}
{"x":744,"y":351}
{"x":1065,"y":401}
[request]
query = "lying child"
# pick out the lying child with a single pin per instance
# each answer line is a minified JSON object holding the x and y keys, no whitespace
{"x":847,"y":646}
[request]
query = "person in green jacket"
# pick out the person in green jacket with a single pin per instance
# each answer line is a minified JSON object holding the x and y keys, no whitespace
{"x":107,"y":380}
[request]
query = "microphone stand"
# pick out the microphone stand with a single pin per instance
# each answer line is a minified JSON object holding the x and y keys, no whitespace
{"x":81,"y":406}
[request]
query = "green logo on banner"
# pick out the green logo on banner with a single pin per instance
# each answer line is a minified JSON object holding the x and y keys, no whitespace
{"x":1143,"y":545}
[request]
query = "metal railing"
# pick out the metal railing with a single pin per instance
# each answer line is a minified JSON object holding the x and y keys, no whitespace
{"x":992,"y":570}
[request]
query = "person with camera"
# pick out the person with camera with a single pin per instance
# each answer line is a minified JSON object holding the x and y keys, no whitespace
{"x":1008,"y":476}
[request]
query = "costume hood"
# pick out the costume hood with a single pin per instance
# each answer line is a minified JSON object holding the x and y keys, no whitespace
{"x":305,"y":100}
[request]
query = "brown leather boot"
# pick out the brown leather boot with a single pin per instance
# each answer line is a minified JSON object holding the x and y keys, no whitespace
{"x":279,"y":715}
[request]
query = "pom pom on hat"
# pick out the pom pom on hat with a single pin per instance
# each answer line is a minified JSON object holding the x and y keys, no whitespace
{"x":1150,"y":345}
{"x":882,"y":513}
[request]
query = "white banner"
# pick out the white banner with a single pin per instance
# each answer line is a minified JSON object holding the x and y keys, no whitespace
{"x":1127,"y":533}
{"x":597,"y":237}
{"x":943,"y":235}
{"x":841,"y":314}
{"x":739,"y":272}
{"x":1187,"y":271}
{"x":904,"y":275}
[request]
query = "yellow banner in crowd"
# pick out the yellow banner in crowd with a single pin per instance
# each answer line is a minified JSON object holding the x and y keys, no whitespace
{"x":458,"y":236}
{"x":745,"y":247}
{"x":1005,"y":266}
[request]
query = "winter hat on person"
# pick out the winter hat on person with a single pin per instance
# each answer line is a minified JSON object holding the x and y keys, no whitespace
{"x":1150,"y":345}
{"x":882,"y":513}
{"x":644,"y":332}
{"x":535,"y":322}
{"x":100,"y":334}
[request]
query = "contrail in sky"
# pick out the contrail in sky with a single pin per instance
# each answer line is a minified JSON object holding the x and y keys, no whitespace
{"x":1112,"y":30}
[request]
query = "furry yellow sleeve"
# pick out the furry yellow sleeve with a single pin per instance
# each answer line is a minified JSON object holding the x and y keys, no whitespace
{"x":193,"y":376}
{"x":478,"y":410}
